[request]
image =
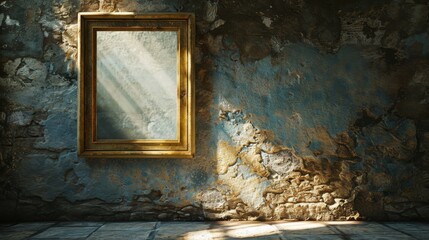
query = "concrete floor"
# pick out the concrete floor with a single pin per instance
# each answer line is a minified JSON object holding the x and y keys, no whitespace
{"x":215,"y":230}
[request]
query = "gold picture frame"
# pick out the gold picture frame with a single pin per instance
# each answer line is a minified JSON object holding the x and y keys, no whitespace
{"x":136,"y":85}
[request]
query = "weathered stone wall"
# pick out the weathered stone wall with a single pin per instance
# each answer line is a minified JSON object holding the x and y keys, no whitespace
{"x":305,"y":109}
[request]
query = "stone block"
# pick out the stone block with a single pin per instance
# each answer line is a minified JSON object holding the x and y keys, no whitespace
{"x":66,"y":232}
{"x":112,"y":235}
{"x":328,"y":199}
{"x":35,"y":131}
{"x":32,"y":70}
{"x":20,"y":118}
{"x":128,"y":226}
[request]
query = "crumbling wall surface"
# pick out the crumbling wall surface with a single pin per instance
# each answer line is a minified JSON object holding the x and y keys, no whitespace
{"x":310,"y":110}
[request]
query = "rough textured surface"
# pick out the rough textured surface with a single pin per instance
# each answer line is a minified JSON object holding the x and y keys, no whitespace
{"x":226,"y":230}
{"x":305,"y":109}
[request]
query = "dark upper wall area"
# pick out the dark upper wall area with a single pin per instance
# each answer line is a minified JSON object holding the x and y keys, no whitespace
{"x":305,"y":109}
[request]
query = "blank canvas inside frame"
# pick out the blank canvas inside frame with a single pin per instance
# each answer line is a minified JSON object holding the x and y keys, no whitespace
{"x":137,"y":96}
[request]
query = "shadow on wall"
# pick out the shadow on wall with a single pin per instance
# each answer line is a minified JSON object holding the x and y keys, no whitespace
{"x":42,"y":173}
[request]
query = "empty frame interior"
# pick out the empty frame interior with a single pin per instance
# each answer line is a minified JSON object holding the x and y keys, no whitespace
{"x":136,"y":92}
